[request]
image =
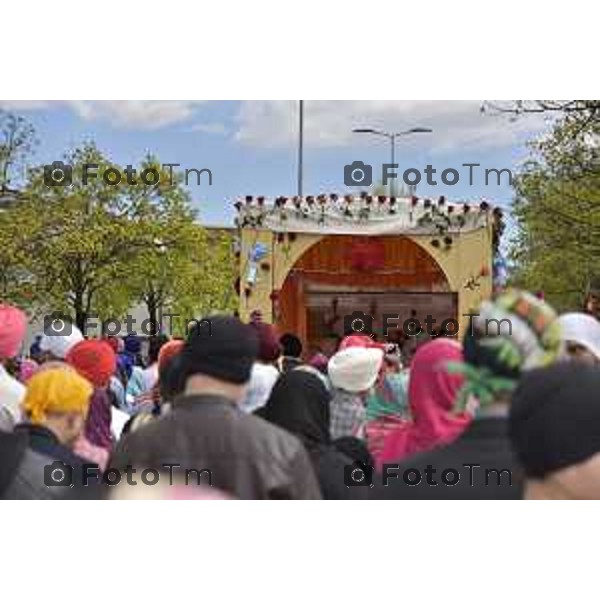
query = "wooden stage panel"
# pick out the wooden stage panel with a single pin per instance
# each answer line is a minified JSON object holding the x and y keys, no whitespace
{"x":355,"y":264}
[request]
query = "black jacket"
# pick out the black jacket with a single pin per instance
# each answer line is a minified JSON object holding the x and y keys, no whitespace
{"x":299,"y":403}
{"x":332,"y":468}
{"x":43,"y":441}
{"x":22,"y":471}
{"x":242,"y":454}
{"x":485,"y":443}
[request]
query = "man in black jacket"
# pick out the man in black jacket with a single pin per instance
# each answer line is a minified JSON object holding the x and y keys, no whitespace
{"x":206,"y":438}
{"x":479,"y":465}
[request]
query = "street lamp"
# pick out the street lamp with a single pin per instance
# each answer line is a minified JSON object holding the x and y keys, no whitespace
{"x":300,"y":145}
{"x":392,"y":137}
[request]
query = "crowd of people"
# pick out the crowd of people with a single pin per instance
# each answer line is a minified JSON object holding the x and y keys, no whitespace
{"x":238,"y":411}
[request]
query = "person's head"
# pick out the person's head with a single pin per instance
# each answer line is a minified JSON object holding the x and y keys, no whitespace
{"x":355,"y":369}
{"x":299,"y":403}
{"x":93,"y":359}
{"x":169,"y":376}
{"x":554,"y":428}
{"x":269,"y":348}
{"x":124,"y":368}
{"x":291,"y":346}
{"x":132,"y":344}
{"x":319,"y":361}
{"x":167,"y":352}
{"x":392,"y":359}
{"x":59,"y":400}
{"x":359,"y":340}
{"x":34,"y":349}
{"x":13,"y":326}
{"x":513,"y":334}
{"x":580,"y":334}
{"x":56,"y":347}
{"x":330,"y":345}
{"x":171,"y":382}
{"x":154,"y":346}
{"x":432,"y":388}
{"x":217,"y":357}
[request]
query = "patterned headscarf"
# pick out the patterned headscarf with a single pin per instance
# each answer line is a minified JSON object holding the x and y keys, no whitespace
{"x":513,"y":333}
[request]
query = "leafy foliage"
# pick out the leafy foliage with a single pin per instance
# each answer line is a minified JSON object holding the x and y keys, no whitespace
{"x":17,"y":141}
{"x":105,"y":247}
{"x":557,"y":210}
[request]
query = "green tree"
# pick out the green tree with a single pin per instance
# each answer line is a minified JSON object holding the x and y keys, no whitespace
{"x":20,"y":225}
{"x":89,"y":234}
{"x":172,"y":237}
{"x":190,"y":274}
{"x":186,"y":270}
{"x":557,"y":212}
{"x":17,"y":142}
{"x":583,"y":112}
{"x":209,"y":285}
{"x":100,"y":247}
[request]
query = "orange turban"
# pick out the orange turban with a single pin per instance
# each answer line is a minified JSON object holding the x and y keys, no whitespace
{"x":93,"y":359}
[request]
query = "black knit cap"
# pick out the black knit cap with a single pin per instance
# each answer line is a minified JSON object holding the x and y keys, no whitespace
{"x":555,"y":418}
{"x":222,"y":347}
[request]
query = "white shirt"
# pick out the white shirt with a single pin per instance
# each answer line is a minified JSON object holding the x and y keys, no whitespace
{"x":262,"y":380}
{"x":11,"y":395}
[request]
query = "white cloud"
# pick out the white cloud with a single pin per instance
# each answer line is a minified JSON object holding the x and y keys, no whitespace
{"x":25,"y":105}
{"x":130,"y":114}
{"x":273,"y":124}
{"x":210,"y":128}
{"x":135,"y":114}
{"x":329,"y":123}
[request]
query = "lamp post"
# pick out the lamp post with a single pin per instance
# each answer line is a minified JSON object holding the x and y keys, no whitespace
{"x":300,"y":145}
{"x":392,"y":137}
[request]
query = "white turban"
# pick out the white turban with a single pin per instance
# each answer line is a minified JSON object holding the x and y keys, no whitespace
{"x":59,"y":345}
{"x":355,"y":369}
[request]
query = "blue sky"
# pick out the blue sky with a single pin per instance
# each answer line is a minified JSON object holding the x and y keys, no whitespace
{"x":250,"y":146}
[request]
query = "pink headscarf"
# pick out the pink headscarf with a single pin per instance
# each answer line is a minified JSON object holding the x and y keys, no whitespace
{"x":13,"y":326}
{"x":432,"y":393}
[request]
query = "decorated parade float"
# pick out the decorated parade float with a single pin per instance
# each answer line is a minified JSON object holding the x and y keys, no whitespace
{"x":308,"y":262}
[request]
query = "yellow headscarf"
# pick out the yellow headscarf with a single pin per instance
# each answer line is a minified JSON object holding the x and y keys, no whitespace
{"x":56,"y":391}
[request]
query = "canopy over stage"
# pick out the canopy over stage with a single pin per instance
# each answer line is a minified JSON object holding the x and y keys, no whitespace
{"x":308,"y":262}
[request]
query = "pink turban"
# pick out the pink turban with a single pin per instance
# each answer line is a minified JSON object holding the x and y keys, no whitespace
{"x":13,"y":326}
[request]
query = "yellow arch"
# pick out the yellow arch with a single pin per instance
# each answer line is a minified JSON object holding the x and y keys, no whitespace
{"x":469,"y":255}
